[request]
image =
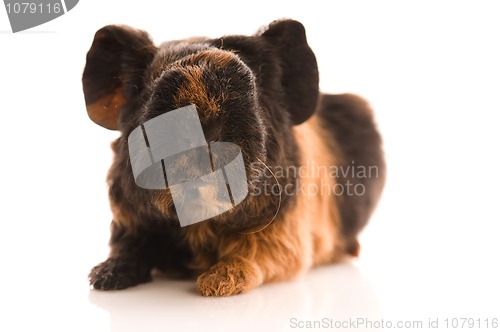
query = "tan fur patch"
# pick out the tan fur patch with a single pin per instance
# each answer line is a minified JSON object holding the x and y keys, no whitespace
{"x":194,"y":92}
{"x":230,"y":277}
{"x":105,"y":111}
{"x":321,"y":209}
{"x":163,"y":201}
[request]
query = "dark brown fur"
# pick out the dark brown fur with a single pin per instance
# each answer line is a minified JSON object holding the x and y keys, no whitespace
{"x":261,"y":93}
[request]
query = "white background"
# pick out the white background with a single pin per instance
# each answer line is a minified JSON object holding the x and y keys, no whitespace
{"x":431,"y":71}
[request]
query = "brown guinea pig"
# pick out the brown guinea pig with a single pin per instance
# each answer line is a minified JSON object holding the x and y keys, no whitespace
{"x":314,"y":163}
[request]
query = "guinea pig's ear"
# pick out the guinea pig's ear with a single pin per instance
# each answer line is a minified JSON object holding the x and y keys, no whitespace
{"x":299,"y":68}
{"x":114,"y":72}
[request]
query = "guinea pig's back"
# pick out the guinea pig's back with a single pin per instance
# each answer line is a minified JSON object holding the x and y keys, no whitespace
{"x":360,"y":168}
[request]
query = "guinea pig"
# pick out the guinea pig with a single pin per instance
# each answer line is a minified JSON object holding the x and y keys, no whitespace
{"x":314,"y":162}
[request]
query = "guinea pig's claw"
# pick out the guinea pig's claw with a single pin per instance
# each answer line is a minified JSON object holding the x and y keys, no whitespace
{"x":117,"y":273}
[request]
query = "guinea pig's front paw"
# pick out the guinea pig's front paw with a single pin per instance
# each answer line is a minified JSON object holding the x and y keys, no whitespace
{"x":229,"y":277}
{"x":118,"y":273}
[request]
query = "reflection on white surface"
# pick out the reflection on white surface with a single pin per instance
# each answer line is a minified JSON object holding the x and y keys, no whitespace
{"x":334,"y":292}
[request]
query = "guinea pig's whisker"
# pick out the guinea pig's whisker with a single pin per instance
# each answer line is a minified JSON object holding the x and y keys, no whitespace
{"x":279,"y":202}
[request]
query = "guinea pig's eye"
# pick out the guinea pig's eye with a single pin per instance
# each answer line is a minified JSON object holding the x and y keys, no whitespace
{"x":212,"y":133}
